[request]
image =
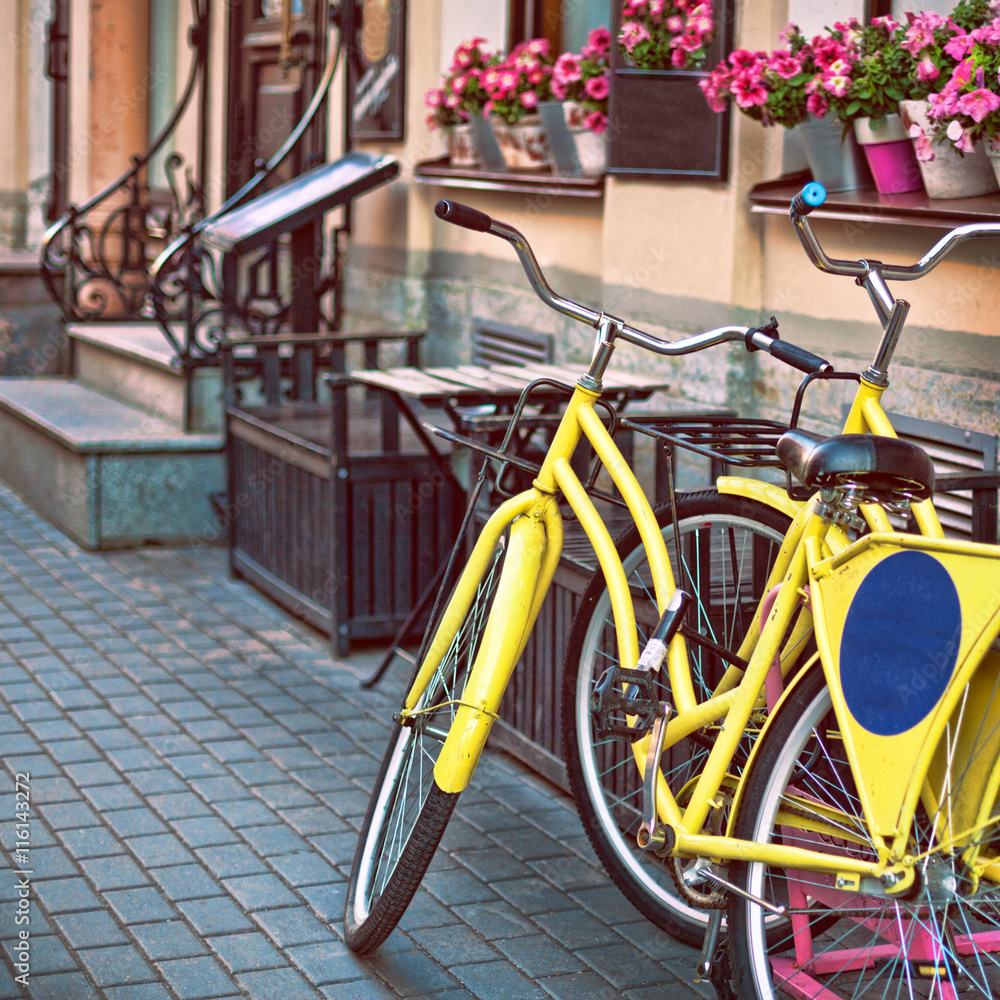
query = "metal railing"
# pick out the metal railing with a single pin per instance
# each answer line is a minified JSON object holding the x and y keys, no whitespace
{"x":95,"y":257}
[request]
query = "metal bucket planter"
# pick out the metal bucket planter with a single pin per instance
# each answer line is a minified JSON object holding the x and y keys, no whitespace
{"x":575,"y":150}
{"x":835,"y":158}
{"x":950,"y":174}
{"x":890,"y":155}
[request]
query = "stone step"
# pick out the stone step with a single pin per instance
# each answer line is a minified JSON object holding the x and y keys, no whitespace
{"x":134,"y":363}
{"x":108,"y":474}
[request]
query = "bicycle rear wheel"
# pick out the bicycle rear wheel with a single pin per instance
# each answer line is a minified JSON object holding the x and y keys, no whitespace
{"x":941,"y":939}
{"x":727,"y":547}
{"x":408,"y":812}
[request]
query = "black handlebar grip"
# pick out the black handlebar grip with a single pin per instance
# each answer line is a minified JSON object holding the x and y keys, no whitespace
{"x":811,"y":196}
{"x":462,"y":215}
{"x":798,"y":357}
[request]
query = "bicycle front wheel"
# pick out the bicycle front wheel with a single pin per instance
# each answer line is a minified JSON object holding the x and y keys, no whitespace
{"x":727,"y":546}
{"x":941,"y":939}
{"x":408,"y":812}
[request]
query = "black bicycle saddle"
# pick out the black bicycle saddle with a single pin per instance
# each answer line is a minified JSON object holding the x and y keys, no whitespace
{"x":886,"y":469}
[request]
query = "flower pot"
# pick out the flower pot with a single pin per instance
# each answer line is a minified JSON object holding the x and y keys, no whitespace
{"x":835,"y":159}
{"x":461,"y":146}
{"x":948,"y":174}
{"x":523,"y":145}
{"x":890,"y":155}
{"x":574,"y":150}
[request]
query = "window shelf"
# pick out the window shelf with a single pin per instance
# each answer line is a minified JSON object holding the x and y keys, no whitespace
{"x":913,"y":208}
{"x":439,"y":172}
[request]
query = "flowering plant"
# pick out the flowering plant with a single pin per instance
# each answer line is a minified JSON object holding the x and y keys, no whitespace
{"x":660,"y":34}
{"x":461,"y":94}
{"x":968,"y":107}
{"x":516,"y":85}
{"x":585,"y":78}
{"x":770,"y":88}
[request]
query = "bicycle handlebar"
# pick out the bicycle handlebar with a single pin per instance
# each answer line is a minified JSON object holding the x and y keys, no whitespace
{"x":765,"y":339}
{"x":813,"y":195}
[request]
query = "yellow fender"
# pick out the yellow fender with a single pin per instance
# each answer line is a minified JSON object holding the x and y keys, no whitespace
{"x":754,"y":489}
{"x":812,"y":664}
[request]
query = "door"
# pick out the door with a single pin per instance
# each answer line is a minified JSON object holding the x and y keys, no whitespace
{"x":277,"y":51}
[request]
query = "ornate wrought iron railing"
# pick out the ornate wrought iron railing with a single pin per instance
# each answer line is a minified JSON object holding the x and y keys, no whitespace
{"x":95,"y":258}
{"x":186,"y":288}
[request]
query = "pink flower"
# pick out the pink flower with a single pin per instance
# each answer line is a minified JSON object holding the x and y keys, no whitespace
{"x":959,"y":46}
{"x":926,"y":70}
{"x":748,"y":91}
{"x":921,"y":145}
{"x":508,"y":80}
{"x":960,"y":137}
{"x":559,"y":90}
{"x":567,"y":69}
{"x":837,"y":85}
{"x":675,"y":24}
{"x":458,"y":83}
{"x":433,"y":98}
{"x":632,"y":34}
{"x":598,"y":43}
{"x":785,"y":64}
{"x":597,"y":123}
{"x":978,"y":104}
{"x":817,"y":104}
{"x":529,"y":99}
{"x":597,"y":87}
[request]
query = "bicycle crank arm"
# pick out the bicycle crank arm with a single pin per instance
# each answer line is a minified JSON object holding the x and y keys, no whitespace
{"x":710,"y":945}
{"x":652,"y":831}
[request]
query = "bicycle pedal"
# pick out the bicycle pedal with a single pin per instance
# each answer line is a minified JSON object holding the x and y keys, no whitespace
{"x":619,"y":693}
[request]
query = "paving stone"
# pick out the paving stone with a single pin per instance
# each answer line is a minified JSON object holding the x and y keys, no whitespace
{"x":62,"y":986}
{"x":453,"y":945}
{"x":48,"y":955}
{"x":69,"y":815}
{"x":117,"y":966}
{"x":159,"y":849}
{"x":277,"y":984}
{"x":204,"y":831}
{"x":179,"y":805}
{"x":254,"y":892}
{"x":576,"y":929}
{"x":292,"y":926}
{"x":211,"y":917}
{"x":228,"y":860}
{"x":305,"y":869}
{"x":64,"y":895}
{"x":579,"y":986}
{"x":158,"y":780}
{"x":497,"y":981}
{"x":108,"y":797}
{"x":326,"y":900}
{"x":412,"y":974}
{"x":132,"y":759}
{"x":374,"y":989}
{"x":133,"y":822}
{"x":116,"y":739}
{"x":455,"y":886}
{"x":328,"y":963}
{"x":185,"y":882}
{"x":538,"y":955}
{"x":197,"y":978}
{"x":247,"y":952}
{"x":139,"y":991}
{"x":219,"y":789}
{"x":272,"y":840}
{"x":51,"y":790}
{"x":570,"y":873}
{"x":51,"y":862}
{"x":90,"y":929}
{"x":232,"y":751}
{"x":113,"y":873}
{"x":139,"y":905}
{"x":168,"y":939}
{"x":243,"y":813}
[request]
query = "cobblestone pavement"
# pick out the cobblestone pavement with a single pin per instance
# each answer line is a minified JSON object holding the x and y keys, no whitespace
{"x":197,"y":768}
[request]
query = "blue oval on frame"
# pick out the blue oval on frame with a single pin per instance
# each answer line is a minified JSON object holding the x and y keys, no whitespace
{"x":900,"y":642}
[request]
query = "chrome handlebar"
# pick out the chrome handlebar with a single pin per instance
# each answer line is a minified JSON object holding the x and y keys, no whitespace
{"x":754,"y":339}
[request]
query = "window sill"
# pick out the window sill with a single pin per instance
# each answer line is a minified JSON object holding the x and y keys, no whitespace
{"x":439,"y":172}
{"x":913,"y":208}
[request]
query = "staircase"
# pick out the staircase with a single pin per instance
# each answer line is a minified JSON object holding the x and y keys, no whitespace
{"x":124,"y":452}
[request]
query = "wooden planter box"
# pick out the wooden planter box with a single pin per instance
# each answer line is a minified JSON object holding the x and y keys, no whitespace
{"x":347,"y":542}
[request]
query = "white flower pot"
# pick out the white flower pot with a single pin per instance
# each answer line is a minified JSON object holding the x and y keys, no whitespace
{"x":523,"y":145}
{"x":461,"y":146}
{"x":949,"y":174}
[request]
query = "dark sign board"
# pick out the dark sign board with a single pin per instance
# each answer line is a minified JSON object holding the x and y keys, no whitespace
{"x":378,"y":70}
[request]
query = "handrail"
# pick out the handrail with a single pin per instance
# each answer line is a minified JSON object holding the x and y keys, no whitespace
{"x":58,"y":259}
{"x":176,"y":274}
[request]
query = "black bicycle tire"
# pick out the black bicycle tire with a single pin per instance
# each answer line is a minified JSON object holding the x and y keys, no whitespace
{"x":699,"y":505}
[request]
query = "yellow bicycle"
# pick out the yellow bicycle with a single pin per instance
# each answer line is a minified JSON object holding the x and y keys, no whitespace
{"x":877,"y":857}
